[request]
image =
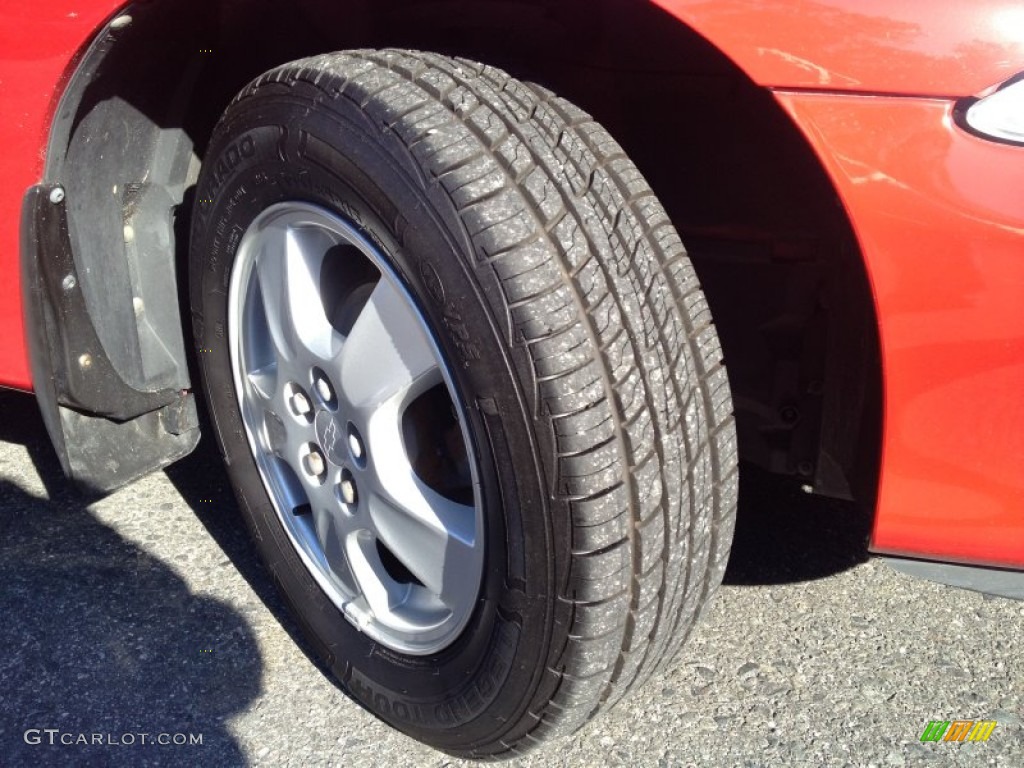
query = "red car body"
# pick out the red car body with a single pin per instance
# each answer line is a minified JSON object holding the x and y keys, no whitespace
{"x":937,"y":212}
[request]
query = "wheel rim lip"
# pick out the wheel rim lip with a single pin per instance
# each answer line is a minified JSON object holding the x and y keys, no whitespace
{"x":429,"y":639}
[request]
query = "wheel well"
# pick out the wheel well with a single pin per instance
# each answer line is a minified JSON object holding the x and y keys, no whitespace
{"x":763,"y":224}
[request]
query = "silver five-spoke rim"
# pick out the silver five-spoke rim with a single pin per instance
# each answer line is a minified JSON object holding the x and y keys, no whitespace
{"x":355,"y":427}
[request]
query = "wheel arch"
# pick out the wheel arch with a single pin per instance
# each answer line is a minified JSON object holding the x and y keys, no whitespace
{"x":765,"y":228}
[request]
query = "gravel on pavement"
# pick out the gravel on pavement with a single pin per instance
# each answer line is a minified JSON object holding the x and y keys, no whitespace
{"x":148,"y":612}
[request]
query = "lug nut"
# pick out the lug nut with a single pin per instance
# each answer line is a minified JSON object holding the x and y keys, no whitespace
{"x":355,"y":445}
{"x":323,"y":388}
{"x":301,"y":404}
{"x":314,"y":463}
{"x":348,"y":491}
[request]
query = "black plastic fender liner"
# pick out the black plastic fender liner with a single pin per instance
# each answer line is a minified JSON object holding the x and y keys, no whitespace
{"x":106,"y":432}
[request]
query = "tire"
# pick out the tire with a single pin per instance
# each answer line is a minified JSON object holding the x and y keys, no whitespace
{"x":578,"y":354}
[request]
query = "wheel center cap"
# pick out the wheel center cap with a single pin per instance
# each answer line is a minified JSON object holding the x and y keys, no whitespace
{"x":331,"y":437}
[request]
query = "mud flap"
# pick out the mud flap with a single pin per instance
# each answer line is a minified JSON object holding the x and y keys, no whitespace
{"x":106,"y":432}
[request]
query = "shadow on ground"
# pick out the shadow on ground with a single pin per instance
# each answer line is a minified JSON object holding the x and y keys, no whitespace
{"x":784,"y":535}
{"x":203,"y":483}
{"x":100,"y":637}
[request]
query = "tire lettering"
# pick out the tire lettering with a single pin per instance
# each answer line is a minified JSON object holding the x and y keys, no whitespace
{"x":432,"y":282}
{"x":231,"y":157}
{"x":455,"y":711}
{"x":450,"y":315}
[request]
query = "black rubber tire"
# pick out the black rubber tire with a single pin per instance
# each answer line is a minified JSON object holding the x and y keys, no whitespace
{"x":581,"y":343}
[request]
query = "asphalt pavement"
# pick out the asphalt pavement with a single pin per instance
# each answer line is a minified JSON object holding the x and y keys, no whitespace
{"x":147,"y":612}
